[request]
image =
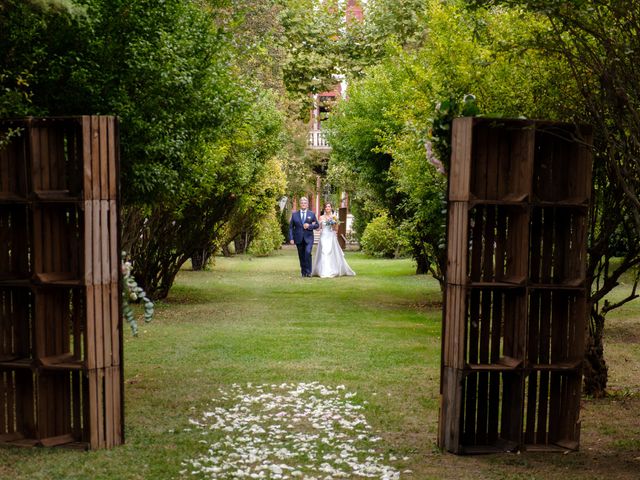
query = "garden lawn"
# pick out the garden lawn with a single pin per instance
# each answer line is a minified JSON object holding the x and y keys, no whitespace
{"x":254,"y":320}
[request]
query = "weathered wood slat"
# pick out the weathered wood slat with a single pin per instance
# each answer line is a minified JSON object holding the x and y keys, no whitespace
{"x":504,"y":164}
{"x":58,"y":160}
{"x":522,"y":155}
{"x":97,"y":290}
{"x":451,"y":409}
{"x":502,"y":259}
{"x":8,"y":167}
{"x":113,"y":159}
{"x":105,"y":243}
{"x":479,"y":164}
{"x":113,"y":404}
{"x":457,"y":248}
{"x":494,"y":358}
{"x":461,"y":159}
{"x":76,"y":414}
{"x":106,"y":325}
{"x":491,"y":150}
{"x":473,"y":358}
{"x":511,"y":426}
{"x":21,"y":257}
{"x":96,"y":431}
{"x":24,"y":405}
{"x":87,"y":160}
{"x":6,"y":425}
{"x":36,"y":169}
{"x":95,"y":158}
{"x":6,"y":234}
{"x":544,"y":352}
{"x":483,"y":377}
{"x":114,"y":250}
{"x":518,"y":265}
{"x":103,"y":160}
{"x":114,"y":323}
{"x":45,"y":159}
{"x":87,"y":242}
{"x":10,"y":402}
{"x":45,"y":407}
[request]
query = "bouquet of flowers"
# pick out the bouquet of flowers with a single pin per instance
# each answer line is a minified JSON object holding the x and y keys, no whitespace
{"x":331,"y":220}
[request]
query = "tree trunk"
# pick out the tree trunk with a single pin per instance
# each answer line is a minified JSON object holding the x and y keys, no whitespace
{"x":596,"y":372}
{"x":241,"y":242}
{"x":199,"y":259}
{"x":422,"y":264}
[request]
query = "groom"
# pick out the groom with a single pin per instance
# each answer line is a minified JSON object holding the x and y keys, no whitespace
{"x":301,"y":227}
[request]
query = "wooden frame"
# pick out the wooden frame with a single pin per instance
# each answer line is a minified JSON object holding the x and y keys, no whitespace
{"x":514,"y":320}
{"x":60,"y":312}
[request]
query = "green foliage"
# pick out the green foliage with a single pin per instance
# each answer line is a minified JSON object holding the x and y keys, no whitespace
{"x":391,"y":139}
{"x":149,"y":63}
{"x":319,"y":45}
{"x":381,"y":239}
{"x":68,"y":6}
{"x":311,"y":30}
{"x":268,"y":236}
{"x":443,"y":115}
{"x":401,"y":21}
{"x":254,"y":206}
{"x":284,"y":216}
{"x":239,"y":180}
{"x":357,"y":129}
{"x":197,"y":132}
{"x":131,"y":292}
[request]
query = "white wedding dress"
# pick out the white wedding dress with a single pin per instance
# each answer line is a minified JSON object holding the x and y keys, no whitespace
{"x":329,"y":259}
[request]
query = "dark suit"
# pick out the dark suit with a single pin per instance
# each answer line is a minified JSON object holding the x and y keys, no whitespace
{"x":303,"y":238}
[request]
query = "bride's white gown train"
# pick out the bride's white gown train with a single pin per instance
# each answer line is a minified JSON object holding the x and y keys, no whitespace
{"x":329,"y":259}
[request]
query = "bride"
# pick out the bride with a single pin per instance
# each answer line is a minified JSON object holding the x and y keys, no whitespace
{"x":329,"y":260}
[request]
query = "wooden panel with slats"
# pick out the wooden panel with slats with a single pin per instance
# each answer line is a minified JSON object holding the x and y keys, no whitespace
{"x":514,"y":320}
{"x":60,"y":320}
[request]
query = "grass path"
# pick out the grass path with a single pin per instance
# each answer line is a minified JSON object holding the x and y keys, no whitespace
{"x":378,"y":334}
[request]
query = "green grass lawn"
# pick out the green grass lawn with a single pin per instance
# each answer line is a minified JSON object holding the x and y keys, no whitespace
{"x":254,"y":320}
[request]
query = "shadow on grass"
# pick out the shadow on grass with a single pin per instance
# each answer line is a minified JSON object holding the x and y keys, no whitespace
{"x":188,"y":295}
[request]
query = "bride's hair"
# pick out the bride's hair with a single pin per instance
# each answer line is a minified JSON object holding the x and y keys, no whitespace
{"x":325,"y":206}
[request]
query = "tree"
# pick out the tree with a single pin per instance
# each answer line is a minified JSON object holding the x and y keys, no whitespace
{"x":397,"y":117}
{"x":311,"y":30}
{"x":195,"y":134}
{"x":238,"y":175}
{"x":598,"y":41}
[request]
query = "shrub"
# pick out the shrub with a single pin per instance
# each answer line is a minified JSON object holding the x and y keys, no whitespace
{"x":285,"y":215}
{"x":381,"y":239}
{"x":268,"y":236}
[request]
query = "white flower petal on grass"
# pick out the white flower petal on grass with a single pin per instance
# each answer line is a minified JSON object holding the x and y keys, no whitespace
{"x":317,"y":428}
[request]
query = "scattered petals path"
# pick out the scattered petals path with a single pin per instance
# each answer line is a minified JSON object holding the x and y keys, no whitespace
{"x":288,"y":431}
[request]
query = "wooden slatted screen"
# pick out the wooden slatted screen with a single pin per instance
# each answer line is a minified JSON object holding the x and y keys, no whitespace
{"x":60,"y":320}
{"x":514,"y":326}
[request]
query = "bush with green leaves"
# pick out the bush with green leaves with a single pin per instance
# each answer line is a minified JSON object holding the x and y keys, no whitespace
{"x":381,"y":238}
{"x":268,"y":236}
